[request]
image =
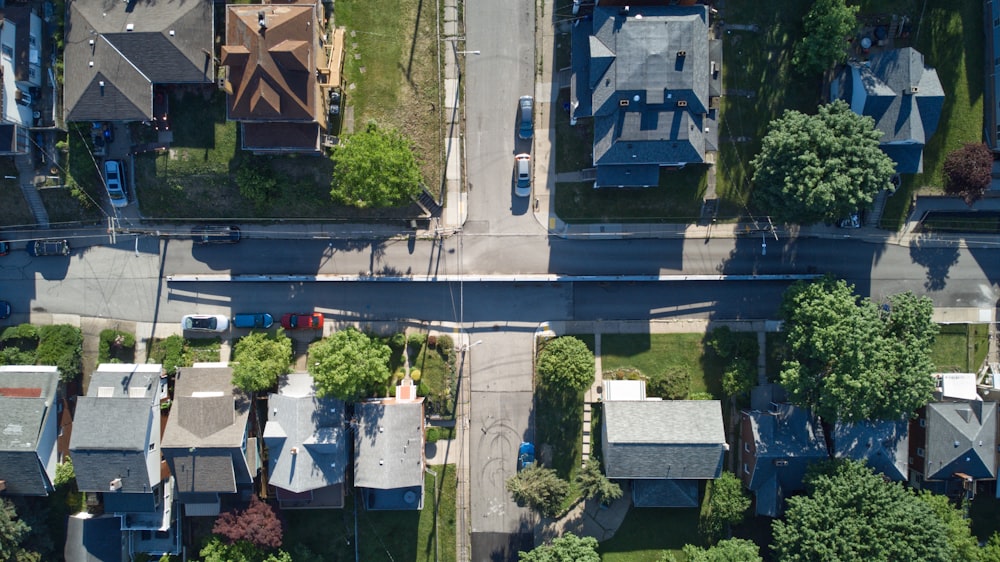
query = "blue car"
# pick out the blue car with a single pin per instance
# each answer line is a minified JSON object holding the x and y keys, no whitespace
{"x":525,"y":456}
{"x":259,"y":320}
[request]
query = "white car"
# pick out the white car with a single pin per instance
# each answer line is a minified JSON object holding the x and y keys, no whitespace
{"x":522,"y":165}
{"x":205,"y":323}
{"x":114,"y":180}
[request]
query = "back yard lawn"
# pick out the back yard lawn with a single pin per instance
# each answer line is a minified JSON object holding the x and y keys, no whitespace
{"x":677,"y":199}
{"x":646,"y":533}
{"x":960,"y":348}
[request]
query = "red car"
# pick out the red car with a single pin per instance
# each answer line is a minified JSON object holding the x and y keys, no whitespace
{"x":298,"y":321}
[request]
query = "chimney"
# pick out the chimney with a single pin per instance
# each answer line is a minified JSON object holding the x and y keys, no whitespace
{"x":115,"y":485}
{"x":294,"y":450}
{"x":261,"y":20}
{"x":682,"y":103}
{"x":682,"y":53}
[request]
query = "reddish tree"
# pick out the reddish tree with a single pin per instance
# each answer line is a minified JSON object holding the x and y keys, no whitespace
{"x":258,"y":524}
{"x":968,"y":171}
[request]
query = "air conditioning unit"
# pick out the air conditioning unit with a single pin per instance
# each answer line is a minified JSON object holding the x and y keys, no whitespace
{"x":115,"y":485}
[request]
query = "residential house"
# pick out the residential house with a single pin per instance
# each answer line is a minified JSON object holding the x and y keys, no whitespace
{"x":115,"y":449}
{"x":21,"y":70}
{"x":29,"y":419}
{"x":883,"y":445}
{"x":649,"y":77}
{"x":92,"y":538}
{"x":665,"y":447}
{"x":778,"y":445}
{"x":272,"y":59}
{"x":307,"y":445}
{"x":389,"y":450}
{"x":904,"y":97}
{"x":119,"y":56}
{"x":206,"y":441}
{"x":953,"y":444}
{"x":991,"y":126}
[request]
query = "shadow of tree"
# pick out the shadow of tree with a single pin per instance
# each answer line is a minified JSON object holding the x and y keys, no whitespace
{"x":937,"y":256}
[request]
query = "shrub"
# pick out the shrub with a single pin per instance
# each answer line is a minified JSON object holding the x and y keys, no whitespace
{"x":739,"y":377}
{"x":432,"y":342}
{"x":675,"y":384}
{"x":566,"y":363}
{"x":20,"y":332}
{"x":115,"y":345}
{"x":623,"y":374}
{"x":15,"y":356}
{"x":417,"y":340}
{"x":168,"y":352}
{"x":61,"y":345}
{"x":433,"y":435}
{"x":65,"y":472}
{"x":415,"y":374}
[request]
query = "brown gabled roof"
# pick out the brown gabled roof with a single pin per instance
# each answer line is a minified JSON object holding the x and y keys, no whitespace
{"x":272,"y":51}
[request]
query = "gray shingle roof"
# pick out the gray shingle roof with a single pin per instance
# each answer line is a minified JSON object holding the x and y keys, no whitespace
{"x":94,"y":539}
{"x":314,"y":427}
{"x":113,"y":427}
{"x":883,"y":445}
{"x":657,"y":59}
{"x":961,"y":437}
{"x":389,"y":444}
{"x":206,"y":431}
{"x":675,"y":439}
{"x":903,"y":95}
{"x":130,"y":62}
{"x":28,"y":422}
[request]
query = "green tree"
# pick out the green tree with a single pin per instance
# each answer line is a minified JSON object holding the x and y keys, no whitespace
{"x":566,"y":362}
{"x":727,"y":504}
{"x":851,"y":513}
{"x":259,"y":359}
{"x":729,"y":550}
{"x":968,"y":171}
{"x":567,"y":548}
{"x":14,"y":356}
{"x":348,"y":364}
{"x":375,"y":168}
{"x":12,"y":531}
{"x":822,"y":167}
{"x":65,"y":472}
{"x":853,"y":360}
{"x":823,"y":46}
{"x":990,"y":552}
{"x":961,"y":542}
{"x":217,"y":550}
{"x":593,"y":484}
{"x":539,"y":488}
{"x":61,"y":345}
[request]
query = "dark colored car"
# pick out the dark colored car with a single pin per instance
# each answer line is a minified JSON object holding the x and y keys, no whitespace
{"x":302,"y":321}
{"x":49,"y":248}
{"x":525,"y":456}
{"x":4,"y":310}
{"x":215,"y":234}
{"x":259,"y":320}
{"x":526,"y":120}
{"x":4,"y":248}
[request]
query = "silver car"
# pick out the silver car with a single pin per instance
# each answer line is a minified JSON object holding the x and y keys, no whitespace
{"x":522,"y":166}
{"x":205,"y":323}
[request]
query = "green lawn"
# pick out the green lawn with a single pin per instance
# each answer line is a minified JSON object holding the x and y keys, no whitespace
{"x":574,"y":148}
{"x":677,"y":199}
{"x":436,"y":375}
{"x":647,"y":532}
{"x":383,"y":535}
{"x":951,"y":351}
{"x":657,"y":355}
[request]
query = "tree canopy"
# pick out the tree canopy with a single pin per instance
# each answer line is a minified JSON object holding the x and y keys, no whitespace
{"x":968,"y":171}
{"x":567,"y":548}
{"x":727,"y":504}
{"x":12,"y":530}
{"x":566,"y":362}
{"x":539,"y":488}
{"x":348,"y":364}
{"x":593,"y":484}
{"x":61,"y":345}
{"x":730,"y":550}
{"x":852,"y":513}
{"x":814,"y":168}
{"x":851,"y":359}
{"x":258,"y":525}
{"x":375,"y":168}
{"x":827,"y":27}
{"x":259,"y":359}
{"x":215,"y":550}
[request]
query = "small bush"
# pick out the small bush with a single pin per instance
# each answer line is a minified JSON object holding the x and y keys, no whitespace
{"x":415,"y":374}
{"x":417,"y":340}
{"x":433,"y":435}
{"x":61,"y":345}
{"x":623,"y":374}
{"x":116,"y":346}
{"x":397,"y":342}
{"x":168,"y":352}
{"x":15,"y":356}
{"x":20,"y":332}
{"x":674,"y":384}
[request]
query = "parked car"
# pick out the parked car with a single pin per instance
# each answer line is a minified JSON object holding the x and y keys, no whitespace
{"x":258,"y":320}
{"x":4,"y":248}
{"x":526,"y":110}
{"x":205,"y":323}
{"x":522,"y":166}
{"x":302,"y":321}
{"x":525,"y":456}
{"x":852,"y":221}
{"x":4,"y":310}
{"x":114,"y":181}
{"x":215,"y":234}
{"x":48,"y":248}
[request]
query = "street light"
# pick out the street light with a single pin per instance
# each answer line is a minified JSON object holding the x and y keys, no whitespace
{"x":467,"y":52}
{"x":466,"y":347}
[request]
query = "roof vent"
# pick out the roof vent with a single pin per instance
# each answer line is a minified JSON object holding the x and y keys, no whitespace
{"x":171,"y":32}
{"x":90,"y":42}
{"x":914,"y":90}
{"x":294,"y":450}
{"x":115,"y":485}
{"x":129,"y":27}
{"x":682,"y":53}
{"x":381,"y":462}
{"x":682,"y":103}
{"x":623,"y":103}
{"x":91,"y":64}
